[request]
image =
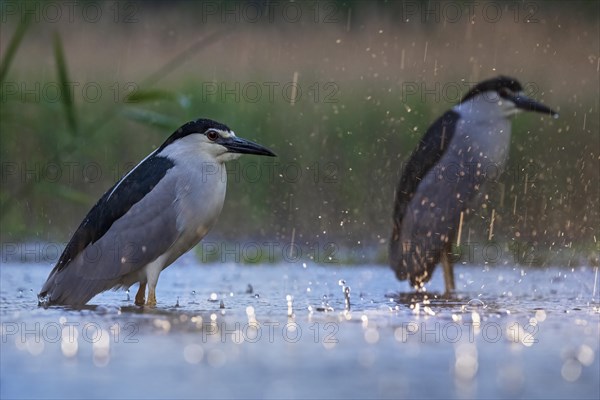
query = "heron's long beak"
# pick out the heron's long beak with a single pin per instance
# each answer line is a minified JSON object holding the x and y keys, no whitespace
{"x":243,"y":146}
{"x":527,"y":104}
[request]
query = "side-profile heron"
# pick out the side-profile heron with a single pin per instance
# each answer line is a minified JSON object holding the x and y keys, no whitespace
{"x":444,"y":177}
{"x":151,"y":216}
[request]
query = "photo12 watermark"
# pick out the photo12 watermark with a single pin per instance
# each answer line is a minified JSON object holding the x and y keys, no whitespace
{"x":69,"y":331}
{"x":454,"y":12}
{"x":482,"y":172}
{"x":70,"y":11}
{"x":37,"y":92}
{"x":269,"y":332}
{"x":454,"y":332}
{"x":448,"y":91}
{"x":252,"y":252}
{"x":271,"y":12}
{"x":291,"y":92}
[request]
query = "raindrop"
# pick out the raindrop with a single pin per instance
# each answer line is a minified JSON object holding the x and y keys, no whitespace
{"x":474,"y":304}
{"x":128,"y":298}
{"x":347,"y":298}
{"x":256,"y":296}
{"x":213,"y":297}
{"x":325,"y":305}
{"x":44,"y":301}
{"x":193,"y":301}
{"x":290,"y":308}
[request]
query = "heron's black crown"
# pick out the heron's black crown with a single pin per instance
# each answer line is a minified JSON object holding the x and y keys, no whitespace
{"x":201,"y":126}
{"x":500,"y":84}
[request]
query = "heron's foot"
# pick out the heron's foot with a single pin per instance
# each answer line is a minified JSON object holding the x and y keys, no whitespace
{"x":151,"y":298}
{"x":151,"y":303}
{"x":450,"y":286}
{"x":449,"y":289}
{"x":140,"y":297}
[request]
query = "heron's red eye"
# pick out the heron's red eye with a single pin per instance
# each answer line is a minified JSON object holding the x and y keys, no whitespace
{"x":504,"y":92}
{"x":212,"y":135}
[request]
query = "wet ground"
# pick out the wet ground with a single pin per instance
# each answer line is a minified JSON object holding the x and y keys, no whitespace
{"x":227,"y":331}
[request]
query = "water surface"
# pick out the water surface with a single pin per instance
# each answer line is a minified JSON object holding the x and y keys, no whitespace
{"x":230,"y":331}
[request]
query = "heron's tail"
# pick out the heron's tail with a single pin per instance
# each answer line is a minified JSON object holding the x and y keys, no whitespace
{"x":412,"y":260}
{"x":66,"y":287}
{"x":396,"y":258}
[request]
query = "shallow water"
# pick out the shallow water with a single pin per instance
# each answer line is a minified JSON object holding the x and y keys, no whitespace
{"x":227,"y":331}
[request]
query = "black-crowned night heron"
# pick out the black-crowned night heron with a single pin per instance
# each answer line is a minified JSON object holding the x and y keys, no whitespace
{"x":154,"y":214}
{"x":444,"y":176}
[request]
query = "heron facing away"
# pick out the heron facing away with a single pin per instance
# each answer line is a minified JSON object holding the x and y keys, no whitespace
{"x":150,"y":217}
{"x":445,"y":174}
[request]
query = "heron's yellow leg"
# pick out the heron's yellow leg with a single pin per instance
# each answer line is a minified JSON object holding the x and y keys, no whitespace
{"x":448,"y":270}
{"x":151,"y":296}
{"x":140,"y":297}
{"x":152,"y":272}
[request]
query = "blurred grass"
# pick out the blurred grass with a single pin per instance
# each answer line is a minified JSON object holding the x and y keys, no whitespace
{"x":13,"y":46}
{"x":349,"y":151}
{"x":63,"y":81}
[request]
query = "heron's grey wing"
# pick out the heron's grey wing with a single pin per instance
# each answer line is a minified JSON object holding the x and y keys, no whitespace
{"x":432,"y":216}
{"x":141,"y":234}
{"x":428,"y":153}
{"x":115,"y":203}
{"x":429,"y":226}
